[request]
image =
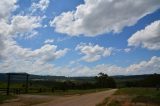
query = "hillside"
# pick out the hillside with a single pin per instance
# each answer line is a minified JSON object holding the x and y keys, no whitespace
{"x":3,"y":77}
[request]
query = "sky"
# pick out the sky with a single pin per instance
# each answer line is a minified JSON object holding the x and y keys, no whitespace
{"x":80,"y":37}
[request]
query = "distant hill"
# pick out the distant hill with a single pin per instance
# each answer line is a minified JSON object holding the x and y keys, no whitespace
{"x":3,"y":77}
{"x":149,"y":80}
{"x":131,"y":77}
{"x":131,"y":80}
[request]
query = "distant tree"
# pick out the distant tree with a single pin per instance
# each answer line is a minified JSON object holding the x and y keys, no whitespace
{"x":152,"y":80}
{"x":104,"y":81}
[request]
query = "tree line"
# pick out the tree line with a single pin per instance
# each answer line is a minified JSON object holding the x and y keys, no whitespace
{"x":150,"y":81}
{"x":100,"y":81}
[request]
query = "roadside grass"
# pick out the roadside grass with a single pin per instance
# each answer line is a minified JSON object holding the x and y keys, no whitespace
{"x":147,"y":99}
{"x":49,"y":91}
{"x":5,"y":97}
{"x":141,"y":95}
{"x":137,"y":91}
{"x":42,"y":90}
{"x":29,"y":101}
{"x":114,"y":103}
{"x":23,"y":100}
{"x":106,"y":102}
{"x":103,"y":103}
{"x":70,"y":92}
{"x":3,"y":85}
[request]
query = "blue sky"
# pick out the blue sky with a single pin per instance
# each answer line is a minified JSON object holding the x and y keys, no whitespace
{"x":80,"y":38}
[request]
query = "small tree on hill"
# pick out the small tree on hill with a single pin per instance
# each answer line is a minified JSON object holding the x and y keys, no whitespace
{"x":104,"y":81}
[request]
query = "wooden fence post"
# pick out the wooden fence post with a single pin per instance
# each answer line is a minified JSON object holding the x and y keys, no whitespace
{"x":8,"y":84}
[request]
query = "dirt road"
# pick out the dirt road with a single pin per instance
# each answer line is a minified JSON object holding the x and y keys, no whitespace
{"x":90,"y":99}
{"x":81,"y":100}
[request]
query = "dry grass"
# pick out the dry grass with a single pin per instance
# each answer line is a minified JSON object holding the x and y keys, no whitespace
{"x":105,"y":101}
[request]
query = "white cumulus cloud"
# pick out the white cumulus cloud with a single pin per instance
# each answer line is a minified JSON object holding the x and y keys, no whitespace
{"x":93,"y":52}
{"x":41,"y":5}
{"x":147,"y":38}
{"x":49,"y":41}
{"x":96,"y":17}
{"x":6,"y":7}
{"x":23,"y":24}
{"x":14,"y":57}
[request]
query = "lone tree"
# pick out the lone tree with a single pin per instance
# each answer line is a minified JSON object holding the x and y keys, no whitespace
{"x":104,"y":81}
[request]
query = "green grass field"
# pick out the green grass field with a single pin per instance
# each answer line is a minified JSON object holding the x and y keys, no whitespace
{"x":5,"y":97}
{"x":143,"y":95}
{"x":70,"y":92}
{"x":146,"y":96}
{"x":137,"y":91}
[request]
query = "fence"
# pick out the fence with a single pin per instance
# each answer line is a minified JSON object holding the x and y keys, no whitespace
{"x":30,"y":90}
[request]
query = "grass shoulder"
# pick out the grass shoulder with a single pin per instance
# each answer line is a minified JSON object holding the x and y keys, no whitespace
{"x":71,"y":92}
{"x":3,"y":98}
{"x":149,"y":96}
{"x":133,"y":97}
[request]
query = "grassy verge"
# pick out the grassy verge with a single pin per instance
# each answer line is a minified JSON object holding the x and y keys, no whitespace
{"x":105,"y":101}
{"x":5,"y":97}
{"x":114,"y":103}
{"x":137,"y":91}
{"x":141,"y":95}
{"x":71,"y":92}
